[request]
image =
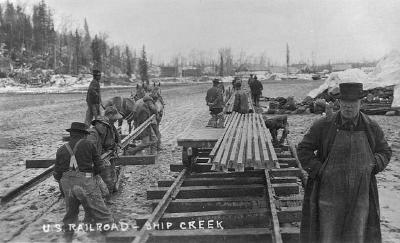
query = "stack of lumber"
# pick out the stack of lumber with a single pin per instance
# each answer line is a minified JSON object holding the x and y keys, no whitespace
{"x":245,"y":143}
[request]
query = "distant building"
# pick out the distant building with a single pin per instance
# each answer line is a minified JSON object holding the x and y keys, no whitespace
{"x":169,"y":71}
{"x":210,"y":70}
{"x":340,"y":67}
{"x":191,"y":72}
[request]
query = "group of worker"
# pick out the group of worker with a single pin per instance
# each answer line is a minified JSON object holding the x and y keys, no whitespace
{"x":342,"y":153}
{"x":85,"y":177}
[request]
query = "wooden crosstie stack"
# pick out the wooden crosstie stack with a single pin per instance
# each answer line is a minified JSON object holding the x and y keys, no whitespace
{"x":261,"y":203}
{"x":245,"y":143}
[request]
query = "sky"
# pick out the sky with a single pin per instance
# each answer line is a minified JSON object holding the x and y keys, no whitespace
{"x":315,"y":30}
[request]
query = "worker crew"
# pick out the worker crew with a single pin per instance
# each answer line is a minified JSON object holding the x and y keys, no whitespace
{"x":341,"y":197}
{"x":274,"y":124}
{"x":241,"y":102}
{"x":215,"y":102}
{"x":256,"y":88}
{"x":77,"y":168}
{"x":105,"y":137}
{"x":93,"y":98}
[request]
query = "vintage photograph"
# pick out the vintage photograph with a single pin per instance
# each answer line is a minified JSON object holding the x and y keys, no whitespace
{"x":200,"y":121}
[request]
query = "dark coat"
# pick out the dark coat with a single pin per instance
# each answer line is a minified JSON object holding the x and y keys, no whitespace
{"x":93,"y":93}
{"x":241,"y":103}
{"x":215,"y":98}
{"x":86,"y":155}
{"x":104,"y":136}
{"x":256,"y":87}
{"x":320,"y":138}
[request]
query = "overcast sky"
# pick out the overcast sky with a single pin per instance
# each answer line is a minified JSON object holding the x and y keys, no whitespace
{"x":337,"y":30}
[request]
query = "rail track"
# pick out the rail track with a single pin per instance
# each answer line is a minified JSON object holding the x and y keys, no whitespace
{"x":260,"y":205}
{"x":24,"y":180}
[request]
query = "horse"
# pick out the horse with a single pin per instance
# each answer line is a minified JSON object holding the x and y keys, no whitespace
{"x":126,"y":107}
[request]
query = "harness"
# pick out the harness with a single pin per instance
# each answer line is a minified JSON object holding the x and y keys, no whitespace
{"x":73,"y":165}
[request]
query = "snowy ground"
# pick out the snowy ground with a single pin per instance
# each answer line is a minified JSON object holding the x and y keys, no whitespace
{"x":32,"y":126}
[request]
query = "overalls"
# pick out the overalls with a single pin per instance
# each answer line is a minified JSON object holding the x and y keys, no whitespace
{"x":344,"y":189}
{"x":81,"y":188}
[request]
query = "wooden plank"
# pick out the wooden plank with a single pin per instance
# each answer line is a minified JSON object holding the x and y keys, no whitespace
{"x":289,"y":215}
{"x":199,"y":168}
{"x":215,"y":181}
{"x":39,"y":163}
{"x":290,"y":234}
{"x":284,"y":179}
{"x":254,"y":235}
{"x":229,"y":174}
{"x":158,"y":212}
{"x":249,"y":154}
{"x":221,"y":150}
{"x":240,"y":158}
{"x":290,"y":161}
{"x":213,"y":204}
{"x":229,"y":144}
{"x":273,"y":157}
{"x":146,"y":159}
{"x":238,"y":136}
{"x":284,"y":172}
{"x":221,"y":138}
{"x":229,"y":219}
{"x":276,"y":235}
{"x":284,"y":189}
{"x":257,"y":157}
{"x":255,"y":190}
{"x":264,"y":149}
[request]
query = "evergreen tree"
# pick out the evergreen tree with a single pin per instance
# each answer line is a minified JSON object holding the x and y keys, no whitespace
{"x":128,"y":62}
{"x":96,"y":53}
{"x":143,"y":67}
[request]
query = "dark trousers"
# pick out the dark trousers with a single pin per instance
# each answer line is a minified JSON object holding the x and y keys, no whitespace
{"x":256,"y":99}
{"x":79,"y":190}
{"x":93,"y":111}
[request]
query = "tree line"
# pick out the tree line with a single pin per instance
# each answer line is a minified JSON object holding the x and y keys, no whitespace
{"x":31,"y":40}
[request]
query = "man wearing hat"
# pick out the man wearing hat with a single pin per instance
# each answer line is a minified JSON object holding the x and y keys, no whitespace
{"x":105,"y":137}
{"x":93,"y":98}
{"x":215,"y":102}
{"x":341,"y":197}
{"x":240,"y":103}
{"x":76,"y":168}
{"x":256,"y":88}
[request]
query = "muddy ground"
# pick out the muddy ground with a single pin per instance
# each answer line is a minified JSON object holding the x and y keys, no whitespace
{"x":32,"y":126}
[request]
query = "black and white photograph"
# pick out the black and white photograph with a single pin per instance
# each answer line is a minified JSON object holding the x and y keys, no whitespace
{"x":200,"y":121}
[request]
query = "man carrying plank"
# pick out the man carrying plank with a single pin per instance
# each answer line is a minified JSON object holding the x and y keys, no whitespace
{"x":77,"y":169}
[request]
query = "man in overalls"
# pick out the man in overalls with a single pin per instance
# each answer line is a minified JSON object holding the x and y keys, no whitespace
{"x":76,"y":168}
{"x":341,"y":197}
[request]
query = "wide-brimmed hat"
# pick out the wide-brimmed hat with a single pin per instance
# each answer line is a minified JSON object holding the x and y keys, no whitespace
{"x":101,"y":119}
{"x":215,"y":81}
{"x":78,"y":127}
{"x":112,"y":113}
{"x":351,"y":91}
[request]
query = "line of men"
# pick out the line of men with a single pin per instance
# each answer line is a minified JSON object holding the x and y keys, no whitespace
{"x":84,"y":177}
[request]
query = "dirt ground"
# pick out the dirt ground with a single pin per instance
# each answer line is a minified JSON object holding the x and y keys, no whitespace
{"x":33,"y":125}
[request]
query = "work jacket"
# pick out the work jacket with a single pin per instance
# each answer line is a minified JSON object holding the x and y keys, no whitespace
{"x":86,"y":156}
{"x":320,"y":138}
{"x":93,"y":93}
{"x":215,"y":98}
